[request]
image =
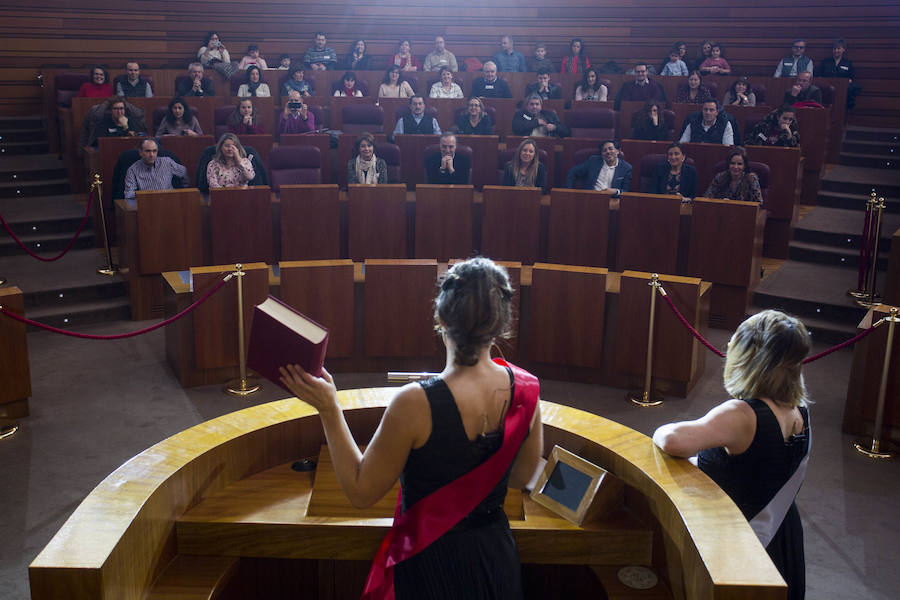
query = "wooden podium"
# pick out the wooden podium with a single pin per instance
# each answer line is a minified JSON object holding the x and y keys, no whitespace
{"x":377,"y":221}
{"x":511,"y":223}
{"x":15,"y":372}
{"x":240,"y":223}
{"x":443,"y":221}
{"x":393,"y":296}
{"x":310,"y":222}
{"x":578,"y":228}
{"x":648,"y":233}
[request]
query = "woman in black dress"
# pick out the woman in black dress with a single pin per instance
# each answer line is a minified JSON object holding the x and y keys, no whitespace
{"x":525,"y":170}
{"x":649,"y":122}
{"x":475,"y":121}
{"x":476,"y":412}
{"x":756,"y":446}
{"x":674,"y":176}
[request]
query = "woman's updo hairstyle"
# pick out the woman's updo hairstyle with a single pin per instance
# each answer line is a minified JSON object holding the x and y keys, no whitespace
{"x":474,"y":306}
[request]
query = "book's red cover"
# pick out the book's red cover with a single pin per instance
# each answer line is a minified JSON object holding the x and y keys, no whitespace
{"x":273,"y":345}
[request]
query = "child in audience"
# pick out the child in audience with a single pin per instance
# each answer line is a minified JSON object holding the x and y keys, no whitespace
{"x":675,"y":66}
{"x":284,"y":62}
{"x":716,"y":63}
{"x":540,"y":59}
{"x":252,"y":58}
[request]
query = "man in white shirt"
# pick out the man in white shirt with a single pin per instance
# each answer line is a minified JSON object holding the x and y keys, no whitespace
{"x":606,"y":172}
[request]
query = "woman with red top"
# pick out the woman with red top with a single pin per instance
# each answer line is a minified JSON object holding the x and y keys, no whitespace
{"x":404,"y":58}
{"x":577,"y":60}
{"x":245,"y":120}
{"x":98,"y":87}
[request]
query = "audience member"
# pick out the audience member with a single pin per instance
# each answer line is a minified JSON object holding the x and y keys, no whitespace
{"x":648,"y":123}
{"x":440,"y":57}
{"x":213,"y":55}
{"x":535,"y":122}
{"x":357,"y":59}
{"x":475,"y":121}
{"x":576,"y":61}
{"x":98,"y":87}
{"x":796,"y":62}
{"x":230,"y":167}
{"x":543,"y":88}
{"x":179,"y":120}
{"x":296,"y":116}
{"x":674,"y":66}
{"x":365,"y":167}
{"x":674,"y":177}
{"x":296,"y":83}
{"x":416,"y":121}
{"x":590,"y":87}
{"x":245,"y":119}
{"x":603,"y":172}
{"x":641,"y":89}
{"x":693,"y":92}
{"x":253,"y":86}
{"x":252,"y":58}
{"x":284,"y":62}
{"x":197,"y":84}
{"x":153,"y":172}
{"x":539,"y":60}
{"x":803,"y":90}
{"x":320,"y":57}
{"x":710,"y":126}
{"x":837,"y":65}
{"x":119,"y":121}
{"x":737,"y":182}
{"x":133,"y":85}
{"x":447,"y":167}
{"x":778,"y":128}
{"x":705,"y":52}
{"x":490,"y":86}
{"x":446,"y":88}
{"x":509,"y":59}
{"x":348,"y":87}
{"x":393,"y":85}
{"x":404,"y":58}
{"x":740,"y":93}
{"x":716,"y":63}
{"x":525,"y":170}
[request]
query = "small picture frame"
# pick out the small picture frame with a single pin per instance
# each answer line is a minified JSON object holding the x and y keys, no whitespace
{"x":576,"y":489}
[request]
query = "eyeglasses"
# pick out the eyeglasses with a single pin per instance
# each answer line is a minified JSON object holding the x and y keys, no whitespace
{"x":799,"y":47}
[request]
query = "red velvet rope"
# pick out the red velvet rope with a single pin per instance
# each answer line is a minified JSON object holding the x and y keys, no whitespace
{"x":840,"y":346}
{"x":690,"y":328}
{"x":68,"y":246}
{"x":117,"y":336}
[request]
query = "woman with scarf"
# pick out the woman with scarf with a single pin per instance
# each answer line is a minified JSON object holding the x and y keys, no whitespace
{"x":348,"y":87}
{"x":254,"y":86}
{"x":365,"y":167}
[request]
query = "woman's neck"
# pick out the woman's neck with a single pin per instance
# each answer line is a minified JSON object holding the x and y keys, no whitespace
{"x":675,"y":170}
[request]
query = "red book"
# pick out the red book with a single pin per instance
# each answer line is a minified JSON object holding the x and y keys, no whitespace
{"x":281,"y":335}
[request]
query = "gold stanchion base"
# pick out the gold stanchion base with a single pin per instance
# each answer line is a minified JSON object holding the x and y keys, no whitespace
{"x":866,"y":304}
{"x":858,"y":293}
{"x":2,"y":280}
{"x":872,"y":450}
{"x":107,"y":271}
{"x":642,"y":399}
{"x":242,"y":387}
{"x":8,"y":429}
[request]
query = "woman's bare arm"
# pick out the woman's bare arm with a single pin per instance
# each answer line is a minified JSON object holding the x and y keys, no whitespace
{"x":730,"y":425}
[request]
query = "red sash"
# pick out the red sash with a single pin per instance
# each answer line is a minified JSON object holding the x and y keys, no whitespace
{"x":436,"y":514}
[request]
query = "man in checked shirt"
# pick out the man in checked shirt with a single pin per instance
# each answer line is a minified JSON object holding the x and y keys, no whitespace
{"x":152,"y":172}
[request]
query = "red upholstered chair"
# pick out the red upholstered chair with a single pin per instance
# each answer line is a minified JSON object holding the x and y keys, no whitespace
{"x":294,"y":165}
{"x":159,"y":114}
{"x":463,"y":150}
{"x":827,"y":95}
{"x":362,"y":117}
{"x":597,"y":123}
{"x":67,"y":86}
{"x":488,"y":110}
{"x":391,"y":155}
{"x":504,"y":156}
{"x":713,"y":88}
{"x":749,"y":124}
{"x":759,"y":90}
{"x":762,"y":171}
{"x":220,"y":119}
{"x":412,"y":80}
{"x":182,"y":80}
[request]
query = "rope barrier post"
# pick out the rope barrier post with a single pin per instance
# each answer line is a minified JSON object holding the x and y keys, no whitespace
{"x":8,"y":428}
{"x":874,"y":450}
{"x":2,"y":279}
{"x":241,"y":386}
{"x":646,"y":397}
{"x":864,"y":251}
{"x":871,"y":299}
{"x":110,"y":269}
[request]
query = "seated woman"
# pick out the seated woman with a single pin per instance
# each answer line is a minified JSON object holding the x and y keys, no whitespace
{"x":404,"y":58}
{"x":253,"y":86}
{"x":693,"y":92}
{"x":475,"y":121}
{"x":365,"y":167}
{"x":179,"y":120}
{"x":393,"y":86}
{"x":213,"y":55}
{"x":296,"y":82}
{"x":778,"y":128}
{"x":649,"y":123}
{"x":674,"y":176}
{"x":98,"y":87}
{"x":705,"y":52}
{"x":838,"y":65}
{"x":590,"y":87}
{"x":737,"y":182}
{"x":348,"y":86}
{"x":525,"y":170}
{"x":577,"y":60}
{"x":716,"y":63}
{"x":477,"y":412}
{"x":357,"y":59}
{"x":245,"y":119}
{"x":740,"y":93}
{"x":230,"y":166}
{"x":756,"y":446}
{"x":446,"y":87}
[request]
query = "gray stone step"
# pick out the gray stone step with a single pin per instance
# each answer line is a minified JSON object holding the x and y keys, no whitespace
{"x":855,"y":132}
{"x":84,"y":313}
{"x":874,"y":161}
{"x":876,"y":147}
{"x":27,"y":147}
{"x":34,"y":187}
{"x":45,"y":243}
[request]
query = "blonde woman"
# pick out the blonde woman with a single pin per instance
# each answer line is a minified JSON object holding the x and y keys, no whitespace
{"x":230,"y":167}
{"x":525,"y":170}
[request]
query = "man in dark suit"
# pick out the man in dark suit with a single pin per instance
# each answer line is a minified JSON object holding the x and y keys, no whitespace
{"x":542,"y":87}
{"x":490,"y":86}
{"x":606,"y":172}
{"x":803,"y":90}
{"x":197,"y":85}
{"x":535,"y":122}
{"x":447,"y":167}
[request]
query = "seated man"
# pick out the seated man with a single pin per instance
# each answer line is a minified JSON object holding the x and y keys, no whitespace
{"x":440,"y":57}
{"x":641,"y":89}
{"x":320,"y":57}
{"x":542,"y":87}
{"x":796,"y":62}
{"x":447,"y":167}
{"x":490,"y":86}
{"x":509,"y":59}
{"x":710,"y":126}
{"x":197,"y":85}
{"x":803,"y":90}
{"x":296,"y":117}
{"x":535,"y":122}
{"x":416,"y":121}
{"x":778,"y":128}
{"x":116,"y":121}
{"x":133,"y":85}
{"x":153,"y":172}
{"x":603,"y":173}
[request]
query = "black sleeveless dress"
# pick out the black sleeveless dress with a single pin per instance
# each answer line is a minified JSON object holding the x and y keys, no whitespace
{"x":477,"y":558}
{"x":753,"y":478}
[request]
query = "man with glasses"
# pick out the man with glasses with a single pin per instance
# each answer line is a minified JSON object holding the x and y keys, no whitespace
{"x":641,"y":89}
{"x":795,"y":63}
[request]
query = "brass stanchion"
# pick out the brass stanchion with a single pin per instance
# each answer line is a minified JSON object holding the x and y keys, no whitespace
{"x":241,"y":386}
{"x":874,"y":450}
{"x":647,"y":397}
{"x":873,"y":300}
{"x":2,"y":279}
{"x":8,"y":429}
{"x":867,"y":228}
{"x":110,"y":269}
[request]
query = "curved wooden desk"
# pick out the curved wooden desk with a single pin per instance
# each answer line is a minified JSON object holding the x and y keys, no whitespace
{"x":195,"y":509}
